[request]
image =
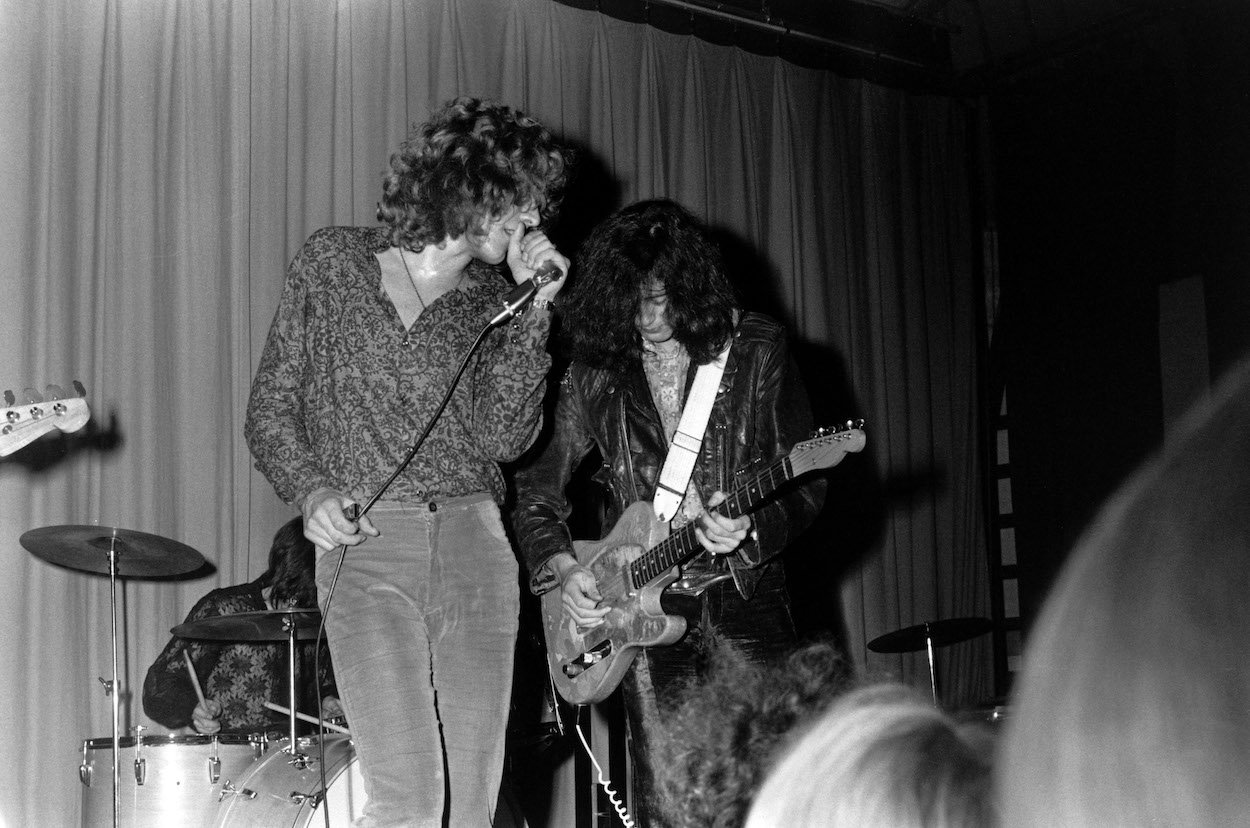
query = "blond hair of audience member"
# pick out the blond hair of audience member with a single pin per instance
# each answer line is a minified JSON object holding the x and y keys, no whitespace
{"x":1134,"y":706}
{"x":881,"y":756}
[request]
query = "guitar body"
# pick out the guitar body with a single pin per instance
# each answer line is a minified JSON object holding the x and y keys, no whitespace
{"x":639,"y":559}
{"x":635,"y":619}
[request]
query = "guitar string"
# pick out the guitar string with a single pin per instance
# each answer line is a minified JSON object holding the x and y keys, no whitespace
{"x":650,"y":565}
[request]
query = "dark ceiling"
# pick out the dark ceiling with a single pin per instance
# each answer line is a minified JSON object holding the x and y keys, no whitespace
{"x":942,"y":45}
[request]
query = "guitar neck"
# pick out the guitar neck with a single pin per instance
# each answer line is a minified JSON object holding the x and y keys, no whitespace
{"x":682,"y":545}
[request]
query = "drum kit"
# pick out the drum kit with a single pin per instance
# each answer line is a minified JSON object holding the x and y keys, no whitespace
{"x":223,"y":781}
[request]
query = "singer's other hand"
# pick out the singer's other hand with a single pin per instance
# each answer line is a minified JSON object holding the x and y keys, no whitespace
{"x":326,"y":524}
{"x":530,"y":249}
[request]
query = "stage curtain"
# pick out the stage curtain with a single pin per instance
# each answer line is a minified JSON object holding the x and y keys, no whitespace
{"x":163,"y":160}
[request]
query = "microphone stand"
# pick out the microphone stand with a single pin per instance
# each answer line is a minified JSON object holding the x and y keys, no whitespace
{"x":514,"y":303}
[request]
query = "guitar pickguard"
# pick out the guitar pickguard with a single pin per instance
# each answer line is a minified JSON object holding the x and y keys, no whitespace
{"x":587,"y":664}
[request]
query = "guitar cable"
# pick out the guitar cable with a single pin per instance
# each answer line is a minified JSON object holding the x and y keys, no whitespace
{"x":613,"y":797}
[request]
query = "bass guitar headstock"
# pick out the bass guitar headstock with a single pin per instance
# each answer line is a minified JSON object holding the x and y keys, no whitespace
{"x":23,"y":423}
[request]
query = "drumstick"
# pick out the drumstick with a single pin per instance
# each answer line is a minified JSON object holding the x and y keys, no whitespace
{"x":286,"y":711}
{"x":195,"y":680}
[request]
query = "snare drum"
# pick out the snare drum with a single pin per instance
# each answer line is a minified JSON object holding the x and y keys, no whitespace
{"x":164,"y":780}
{"x":279,"y":792}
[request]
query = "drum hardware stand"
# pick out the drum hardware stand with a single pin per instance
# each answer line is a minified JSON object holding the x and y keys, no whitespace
{"x":111,"y":686}
{"x":927,"y":635}
{"x":299,"y":760}
{"x":147,"y":556}
{"x":928,"y":643}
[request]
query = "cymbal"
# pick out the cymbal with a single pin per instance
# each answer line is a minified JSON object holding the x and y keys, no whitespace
{"x":86,"y":548}
{"x":263,"y":625}
{"x":949,"y":631}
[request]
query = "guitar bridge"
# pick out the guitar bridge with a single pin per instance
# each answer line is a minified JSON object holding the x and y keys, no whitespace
{"x":588,"y":659}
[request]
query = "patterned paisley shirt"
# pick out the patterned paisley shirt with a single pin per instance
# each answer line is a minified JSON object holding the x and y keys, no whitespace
{"x":343,"y":390}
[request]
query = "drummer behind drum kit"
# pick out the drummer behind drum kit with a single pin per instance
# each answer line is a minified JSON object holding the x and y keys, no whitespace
{"x":226,"y":780}
{"x":170,"y":780}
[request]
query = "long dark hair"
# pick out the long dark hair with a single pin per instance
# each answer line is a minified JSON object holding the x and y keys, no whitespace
{"x":650,"y":240}
{"x":291,"y":571}
{"x":473,"y":160}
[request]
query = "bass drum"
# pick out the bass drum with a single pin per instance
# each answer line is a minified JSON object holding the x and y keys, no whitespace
{"x":164,"y":780}
{"x":275,"y":792}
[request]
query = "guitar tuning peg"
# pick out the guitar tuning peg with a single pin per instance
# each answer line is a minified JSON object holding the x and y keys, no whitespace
{"x":32,"y":396}
{"x":54,"y":392}
{"x":9,"y":399}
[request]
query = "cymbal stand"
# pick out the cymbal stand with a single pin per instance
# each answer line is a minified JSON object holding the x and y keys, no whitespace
{"x":928,"y":642}
{"x":112,"y":553}
{"x":298,"y":759}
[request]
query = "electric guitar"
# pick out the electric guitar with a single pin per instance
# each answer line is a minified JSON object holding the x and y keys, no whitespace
{"x":586,"y":665}
{"x":52,"y":411}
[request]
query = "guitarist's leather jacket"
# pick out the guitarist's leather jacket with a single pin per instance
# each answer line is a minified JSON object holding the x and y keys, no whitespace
{"x":761,"y":410}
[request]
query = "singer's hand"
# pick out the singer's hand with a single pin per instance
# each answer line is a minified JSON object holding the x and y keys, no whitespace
{"x":527,"y":251}
{"x":326,"y":524}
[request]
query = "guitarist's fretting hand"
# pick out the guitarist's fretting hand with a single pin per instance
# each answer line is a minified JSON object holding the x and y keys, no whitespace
{"x":718,"y":534}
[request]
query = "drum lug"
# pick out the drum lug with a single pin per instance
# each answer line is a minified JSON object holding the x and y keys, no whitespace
{"x":84,"y":770}
{"x":214,"y":770}
{"x":141,"y":764}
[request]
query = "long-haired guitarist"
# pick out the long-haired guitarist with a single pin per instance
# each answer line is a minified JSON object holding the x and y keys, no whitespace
{"x":650,"y":304}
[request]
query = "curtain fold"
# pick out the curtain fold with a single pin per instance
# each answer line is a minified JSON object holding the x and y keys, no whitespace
{"x":164,"y":160}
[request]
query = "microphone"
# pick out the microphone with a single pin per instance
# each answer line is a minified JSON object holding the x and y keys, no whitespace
{"x":522,"y":294}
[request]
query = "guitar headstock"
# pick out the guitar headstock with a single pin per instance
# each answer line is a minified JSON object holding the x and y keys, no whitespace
{"x":826,"y":447}
{"x":23,"y":423}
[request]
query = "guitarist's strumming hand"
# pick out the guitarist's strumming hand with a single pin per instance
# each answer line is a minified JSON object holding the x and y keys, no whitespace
{"x":327,"y":525}
{"x":579,"y":591}
{"x":718,"y":534}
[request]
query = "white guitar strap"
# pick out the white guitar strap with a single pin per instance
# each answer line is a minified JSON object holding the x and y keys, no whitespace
{"x":684,"y":448}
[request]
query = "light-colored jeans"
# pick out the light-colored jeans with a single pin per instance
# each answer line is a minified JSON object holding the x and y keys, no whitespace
{"x":421,"y":628}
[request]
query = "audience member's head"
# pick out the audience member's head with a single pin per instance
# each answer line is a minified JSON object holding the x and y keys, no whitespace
{"x":1134,"y":705}
{"x":881,"y":756}
{"x":718,"y":741}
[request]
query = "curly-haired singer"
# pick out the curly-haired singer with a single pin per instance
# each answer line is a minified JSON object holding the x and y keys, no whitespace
{"x":370,"y":330}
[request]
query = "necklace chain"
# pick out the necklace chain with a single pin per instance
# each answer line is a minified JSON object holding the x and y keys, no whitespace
{"x":404,"y":260}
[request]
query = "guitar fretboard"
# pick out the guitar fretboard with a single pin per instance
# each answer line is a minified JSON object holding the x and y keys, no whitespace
{"x":682,"y":545}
